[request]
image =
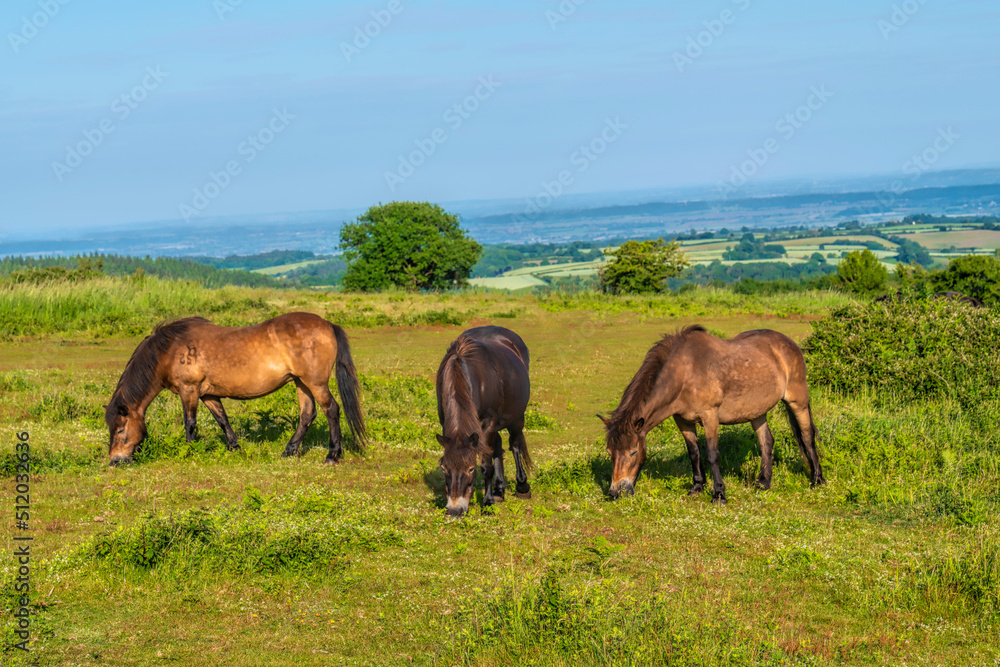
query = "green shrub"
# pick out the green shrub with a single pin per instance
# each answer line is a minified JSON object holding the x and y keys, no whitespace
{"x":907,"y":350}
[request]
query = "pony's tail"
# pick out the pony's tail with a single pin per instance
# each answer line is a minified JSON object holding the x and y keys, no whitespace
{"x":348,"y":386}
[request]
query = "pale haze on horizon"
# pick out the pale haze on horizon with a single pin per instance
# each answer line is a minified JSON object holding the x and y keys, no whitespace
{"x":119,"y":112}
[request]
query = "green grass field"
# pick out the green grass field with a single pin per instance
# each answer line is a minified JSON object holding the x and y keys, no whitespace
{"x":197,"y":556}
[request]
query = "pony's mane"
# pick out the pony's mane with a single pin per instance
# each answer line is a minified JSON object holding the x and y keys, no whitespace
{"x":461,"y":415}
{"x":140,"y":371}
{"x":643,"y":381}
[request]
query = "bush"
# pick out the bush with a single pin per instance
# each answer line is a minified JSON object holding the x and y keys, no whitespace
{"x":908,"y":349}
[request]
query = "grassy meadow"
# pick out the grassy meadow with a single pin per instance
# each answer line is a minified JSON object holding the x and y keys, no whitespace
{"x":198,"y":556}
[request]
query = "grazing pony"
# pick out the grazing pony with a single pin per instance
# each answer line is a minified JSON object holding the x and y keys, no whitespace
{"x":697,"y":378}
{"x":482,"y":388}
{"x":199,"y":360}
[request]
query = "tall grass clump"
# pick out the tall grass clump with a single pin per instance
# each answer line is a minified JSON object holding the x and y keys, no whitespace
{"x":307,"y":531}
{"x":908,"y":350}
{"x":121,"y":306}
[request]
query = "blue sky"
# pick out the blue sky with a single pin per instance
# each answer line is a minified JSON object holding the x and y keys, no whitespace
{"x":327,"y":127}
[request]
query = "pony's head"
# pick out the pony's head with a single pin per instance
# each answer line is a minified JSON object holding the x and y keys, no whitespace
{"x":459,"y":466}
{"x":126,"y":427}
{"x":627,"y":448}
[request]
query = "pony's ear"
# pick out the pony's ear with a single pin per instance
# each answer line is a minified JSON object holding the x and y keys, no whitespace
{"x":123,"y":410}
{"x":639,"y":423}
{"x":607,"y":422}
{"x":443,"y":441}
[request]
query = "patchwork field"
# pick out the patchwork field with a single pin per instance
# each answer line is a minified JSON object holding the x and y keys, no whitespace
{"x":985,"y":239}
{"x":198,"y":556}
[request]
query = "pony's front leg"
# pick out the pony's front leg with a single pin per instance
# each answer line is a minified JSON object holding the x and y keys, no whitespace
{"x":499,"y":480}
{"x":690,"y":433}
{"x":486,"y":463}
{"x":711,"y":424}
{"x":189,"y":404}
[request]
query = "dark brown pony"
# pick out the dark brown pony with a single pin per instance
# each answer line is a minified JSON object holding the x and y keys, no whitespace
{"x":199,"y":360}
{"x":697,"y":378}
{"x":482,"y":388}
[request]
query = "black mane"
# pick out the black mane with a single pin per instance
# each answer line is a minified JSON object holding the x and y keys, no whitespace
{"x":461,"y":415}
{"x":643,"y":381}
{"x":140,"y":371}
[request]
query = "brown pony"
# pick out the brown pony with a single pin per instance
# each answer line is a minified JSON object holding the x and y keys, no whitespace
{"x":199,"y":360}
{"x":697,"y":378}
{"x":482,"y":388}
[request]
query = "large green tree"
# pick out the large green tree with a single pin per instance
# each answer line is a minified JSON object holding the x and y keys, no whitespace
{"x":407,"y":244}
{"x":861,"y":272}
{"x":642,"y":266}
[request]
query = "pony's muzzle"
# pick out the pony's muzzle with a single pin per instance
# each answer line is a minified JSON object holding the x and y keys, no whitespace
{"x":120,"y":460}
{"x":457,"y":506}
{"x":623,"y":488}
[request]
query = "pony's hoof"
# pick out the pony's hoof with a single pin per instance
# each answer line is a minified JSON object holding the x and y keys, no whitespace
{"x":235,"y":448}
{"x":719,"y":500}
{"x":287,"y":453}
{"x":497,"y":498}
{"x":818,"y":482}
{"x":331,"y":462}
{"x":523,"y":496}
{"x":696,"y":491}
{"x":763,"y":485}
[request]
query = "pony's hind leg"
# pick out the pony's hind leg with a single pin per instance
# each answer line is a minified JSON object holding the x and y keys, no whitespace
{"x":766,"y":450}
{"x":332,"y":411}
{"x":689,"y":432}
{"x":801,"y":421}
{"x":307,"y":413}
{"x":519,"y":448}
{"x":499,"y":481}
{"x":214,"y":405}
{"x":711,"y":424}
